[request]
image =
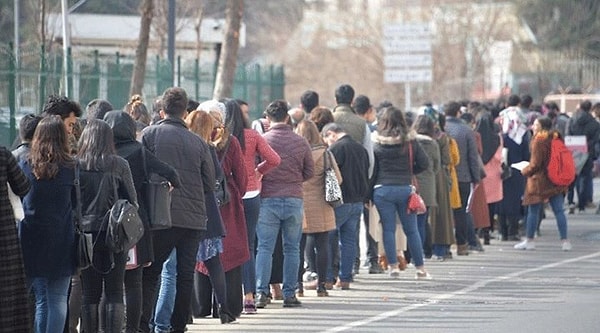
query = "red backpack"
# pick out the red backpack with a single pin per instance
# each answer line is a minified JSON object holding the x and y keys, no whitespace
{"x":561,"y":167}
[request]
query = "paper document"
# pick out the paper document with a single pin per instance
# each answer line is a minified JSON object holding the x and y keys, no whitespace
{"x":520,"y":166}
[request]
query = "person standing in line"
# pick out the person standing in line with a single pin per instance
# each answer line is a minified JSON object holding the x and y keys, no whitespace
{"x":282,"y":205}
{"x":27,"y":126}
{"x":353,"y":162}
{"x":124,"y":131}
{"x":15,"y":316}
{"x":172,"y":142}
{"x":47,"y":233}
{"x":253,"y":146}
{"x":539,"y":188}
{"x":309,"y":100}
{"x":467,"y":170}
{"x":101,"y":170}
{"x":319,"y":216}
{"x":394,"y":145}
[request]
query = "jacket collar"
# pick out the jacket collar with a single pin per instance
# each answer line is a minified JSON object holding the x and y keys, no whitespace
{"x":173,"y":121}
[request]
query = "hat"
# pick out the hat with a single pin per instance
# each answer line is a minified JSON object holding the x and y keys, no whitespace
{"x":362,"y":104}
{"x":212,"y":105}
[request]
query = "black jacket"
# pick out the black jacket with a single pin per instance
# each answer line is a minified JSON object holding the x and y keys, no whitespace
{"x":392,"y":165}
{"x":583,"y":123}
{"x":172,"y":142}
{"x":353,"y":161}
{"x":124,"y":129}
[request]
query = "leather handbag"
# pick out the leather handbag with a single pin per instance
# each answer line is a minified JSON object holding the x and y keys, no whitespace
{"x":124,"y":228}
{"x":83,"y":241}
{"x":156,"y":193}
{"x":333,"y":191}
{"x":416,"y":204}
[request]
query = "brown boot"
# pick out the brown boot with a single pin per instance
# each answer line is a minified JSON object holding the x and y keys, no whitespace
{"x":462,"y":250}
{"x":383,"y":263}
{"x":402,"y":263}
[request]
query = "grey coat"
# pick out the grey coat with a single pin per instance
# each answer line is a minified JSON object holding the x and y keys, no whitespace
{"x":468,"y":169}
{"x":426,"y":179}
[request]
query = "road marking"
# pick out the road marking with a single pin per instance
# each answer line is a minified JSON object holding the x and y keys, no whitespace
{"x":475,"y":286}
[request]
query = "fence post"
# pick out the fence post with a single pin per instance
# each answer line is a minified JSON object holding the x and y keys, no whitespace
{"x":179,"y":71}
{"x":42,"y":79}
{"x":197,"y":78}
{"x":70,"y":73}
{"x":244,"y":82}
{"x":11,"y":95}
{"x":258,"y":75}
{"x":157,"y":75}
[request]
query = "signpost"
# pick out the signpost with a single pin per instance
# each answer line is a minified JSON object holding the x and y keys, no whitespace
{"x":407,"y":55}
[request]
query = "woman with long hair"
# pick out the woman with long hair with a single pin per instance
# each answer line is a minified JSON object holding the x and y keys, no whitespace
{"x":47,"y":231}
{"x":141,"y":164}
{"x":393,"y":146}
{"x":319,"y":216}
{"x":259,"y":158}
{"x":101,"y":171}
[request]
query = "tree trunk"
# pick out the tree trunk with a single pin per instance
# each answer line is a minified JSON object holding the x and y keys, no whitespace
{"x":141,"y":52}
{"x":228,"y":58}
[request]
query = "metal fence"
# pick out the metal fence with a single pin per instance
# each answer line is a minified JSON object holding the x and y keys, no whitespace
{"x":25,"y":84}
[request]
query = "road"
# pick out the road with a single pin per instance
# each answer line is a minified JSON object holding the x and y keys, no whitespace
{"x":500,"y":290}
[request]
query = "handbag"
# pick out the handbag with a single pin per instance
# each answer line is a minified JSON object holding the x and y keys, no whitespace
{"x":333,"y":191}
{"x":124,"y":228}
{"x":83,"y":241}
{"x":221,"y":190}
{"x":156,"y":193}
{"x":416,"y":204}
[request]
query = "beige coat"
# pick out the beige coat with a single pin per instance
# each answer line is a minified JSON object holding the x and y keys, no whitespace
{"x":318,"y":214}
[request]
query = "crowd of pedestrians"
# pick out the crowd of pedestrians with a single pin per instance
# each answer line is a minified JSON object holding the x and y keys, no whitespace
{"x":250,"y":223}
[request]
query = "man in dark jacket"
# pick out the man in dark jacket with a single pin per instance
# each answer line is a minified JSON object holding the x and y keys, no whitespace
{"x":353,"y":161}
{"x":583,"y":123}
{"x":172,"y":142}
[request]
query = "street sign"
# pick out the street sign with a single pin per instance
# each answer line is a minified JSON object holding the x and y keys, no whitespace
{"x":407,"y":75}
{"x":399,"y":60}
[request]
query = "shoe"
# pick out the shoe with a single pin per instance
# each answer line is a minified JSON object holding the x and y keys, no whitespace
{"x":590,"y":205}
{"x":291,"y":302}
{"x":572,"y":208}
{"x":374,"y":268}
{"x":356,"y":267}
{"x":383,"y":263}
{"x":344,"y":285}
{"x":422,"y":275}
{"x":462,"y":250}
{"x":328,"y":285}
{"x":525,"y":245}
{"x":566,"y":246}
{"x":321,"y":291}
{"x":394,"y":272}
{"x":402,"y":263}
{"x":300,"y":293}
{"x":438,"y":258}
{"x":448,"y":255}
{"x":276,"y":292}
{"x":226,"y":317}
{"x":261,"y":300}
{"x":249,"y":307}
{"x":477,"y":248}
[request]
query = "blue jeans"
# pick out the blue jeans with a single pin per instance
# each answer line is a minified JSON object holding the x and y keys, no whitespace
{"x":283,"y":213}
{"x":166,"y":296}
{"x":251,"y":210}
{"x":51,"y":300}
{"x":392,"y":201}
{"x":347,"y":218}
{"x":422,"y":225}
{"x":533,"y":216}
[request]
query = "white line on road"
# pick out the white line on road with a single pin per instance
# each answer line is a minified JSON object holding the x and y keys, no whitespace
{"x":475,"y":286}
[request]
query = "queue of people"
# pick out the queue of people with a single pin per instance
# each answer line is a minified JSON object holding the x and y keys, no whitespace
{"x":246,"y":193}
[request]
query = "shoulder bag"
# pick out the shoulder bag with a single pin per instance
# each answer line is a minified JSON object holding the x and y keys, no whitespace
{"x":125,"y":228}
{"x":333,"y":191}
{"x":416,"y":204}
{"x":156,"y":193}
{"x":221,"y":190}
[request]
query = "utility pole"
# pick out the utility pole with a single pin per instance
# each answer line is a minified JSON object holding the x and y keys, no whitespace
{"x":171,"y":39}
{"x":66,"y":45}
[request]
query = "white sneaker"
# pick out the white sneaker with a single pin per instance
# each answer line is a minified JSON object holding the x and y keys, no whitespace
{"x":422,"y":275}
{"x":566,"y":246}
{"x":525,"y":245}
{"x":394,"y":272}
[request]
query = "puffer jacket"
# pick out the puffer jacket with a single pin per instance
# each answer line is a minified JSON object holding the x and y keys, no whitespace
{"x":172,"y":142}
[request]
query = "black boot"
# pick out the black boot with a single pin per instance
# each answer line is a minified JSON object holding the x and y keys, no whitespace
{"x":115,"y":316}
{"x":513,"y":228}
{"x":89,"y":318}
{"x":226,"y":316}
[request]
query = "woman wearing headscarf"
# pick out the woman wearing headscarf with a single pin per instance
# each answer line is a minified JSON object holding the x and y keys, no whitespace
{"x":516,"y":139}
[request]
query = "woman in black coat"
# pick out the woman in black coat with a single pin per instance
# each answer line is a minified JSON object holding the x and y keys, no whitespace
{"x":124,"y":133}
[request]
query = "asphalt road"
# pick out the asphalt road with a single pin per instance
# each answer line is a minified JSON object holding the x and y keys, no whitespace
{"x":500,"y":290}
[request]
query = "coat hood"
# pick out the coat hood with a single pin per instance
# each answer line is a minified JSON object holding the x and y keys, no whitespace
{"x":122,"y":124}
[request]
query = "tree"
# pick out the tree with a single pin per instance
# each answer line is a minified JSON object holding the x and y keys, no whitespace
{"x":141,"y":51}
{"x":565,"y":25}
{"x":228,"y":58}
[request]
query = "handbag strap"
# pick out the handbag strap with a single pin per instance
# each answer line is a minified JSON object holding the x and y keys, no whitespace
{"x":326,"y":161}
{"x":144,"y":163}
{"x":410,"y":165}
